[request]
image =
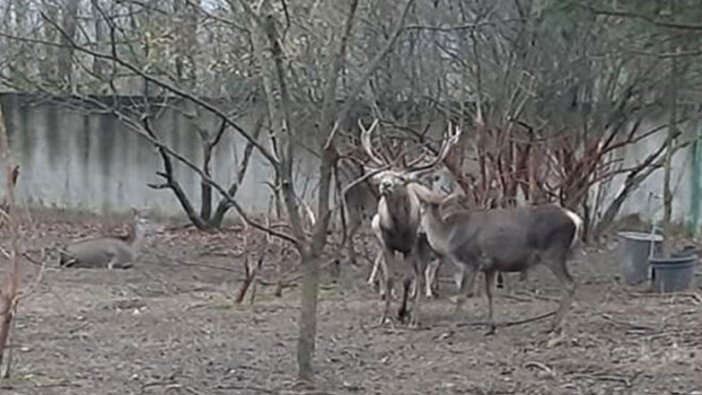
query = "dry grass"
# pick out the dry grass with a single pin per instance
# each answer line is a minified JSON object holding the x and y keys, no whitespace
{"x":170,"y":326}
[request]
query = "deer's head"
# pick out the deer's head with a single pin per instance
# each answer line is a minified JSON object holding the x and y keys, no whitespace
{"x":399,"y":172}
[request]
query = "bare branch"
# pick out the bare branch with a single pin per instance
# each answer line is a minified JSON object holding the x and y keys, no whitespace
{"x":643,"y":17}
{"x":158,"y":82}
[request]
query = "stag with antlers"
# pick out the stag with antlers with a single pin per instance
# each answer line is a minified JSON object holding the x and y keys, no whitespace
{"x":397,"y":222}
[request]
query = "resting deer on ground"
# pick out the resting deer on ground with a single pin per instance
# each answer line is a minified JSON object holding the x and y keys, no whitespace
{"x":111,"y":252}
{"x":507,"y":240}
{"x":397,"y":221}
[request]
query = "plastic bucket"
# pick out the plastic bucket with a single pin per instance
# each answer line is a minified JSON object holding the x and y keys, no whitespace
{"x":635,"y":251}
{"x":672,"y":274}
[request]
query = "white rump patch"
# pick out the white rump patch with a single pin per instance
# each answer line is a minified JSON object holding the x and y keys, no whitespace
{"x":578,"y":225}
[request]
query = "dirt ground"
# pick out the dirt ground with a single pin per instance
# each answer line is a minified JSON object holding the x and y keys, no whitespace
{"x":170,"y":326}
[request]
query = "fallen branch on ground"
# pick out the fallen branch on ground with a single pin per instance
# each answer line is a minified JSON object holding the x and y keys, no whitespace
{"x":250,"y":274}
{"x":506,"y":323}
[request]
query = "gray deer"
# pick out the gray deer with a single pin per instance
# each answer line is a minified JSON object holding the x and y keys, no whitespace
{"x":109,"y":252}
{"x":397,"y":222}
{"x":360,"y":204}
{"x":507,"y":240}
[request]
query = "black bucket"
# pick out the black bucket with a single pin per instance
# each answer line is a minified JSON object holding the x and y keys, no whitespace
{"x":635,"y":250}
{"x":672,"y":274}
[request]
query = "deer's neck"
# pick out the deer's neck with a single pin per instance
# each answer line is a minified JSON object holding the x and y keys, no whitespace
{"x":433,"y":223}
{"x":399,"y":208}
{"x":136,"y":237}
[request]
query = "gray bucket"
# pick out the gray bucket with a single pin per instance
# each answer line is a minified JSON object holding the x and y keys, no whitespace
{"x":672,"y":274}
{"x":635,"y":251}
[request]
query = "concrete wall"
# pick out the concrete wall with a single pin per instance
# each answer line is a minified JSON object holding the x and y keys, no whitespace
{"x":647,"y":200}
{"x":79,"y":159}
{"x":84,"y":160}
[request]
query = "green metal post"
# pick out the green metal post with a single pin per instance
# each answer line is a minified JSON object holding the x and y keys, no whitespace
{"x":695,"y":183}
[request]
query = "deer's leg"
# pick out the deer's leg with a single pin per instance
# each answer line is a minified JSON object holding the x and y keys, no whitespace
{"x":430,"y":276}
{"x":419,"y":268}
{"x":417,"y":265}
{"x":559,"y":269}
{"x":435,"y":278}
{"x":374,"y":271}
{"x":350,"y":249}
{"x":489,"y":284}
{"x":379,"y":266}
{"x":523,"y":275}
{"x":413,"y":289}
{"x":500,"y":280}
{"x":458,"y":278}
{"x":389,"y":266}
{"x":467,"y":274}
{"x":111,"y":262}
{"x":385,"y":292}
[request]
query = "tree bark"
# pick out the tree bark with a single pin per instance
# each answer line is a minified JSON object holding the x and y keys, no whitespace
{"x":99,"y":65}
{"x":9,"y":292}
{"x":672,"y":131}
{"x":46,"y":66}
{"x":69,"y":25}
{"x":223,"y":206}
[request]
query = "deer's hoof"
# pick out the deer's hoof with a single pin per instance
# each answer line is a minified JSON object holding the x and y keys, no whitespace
{"x":403,"y":316}
{"x":556,"y":337}
{"x":414,"y":324}
{"x":491,"y":330}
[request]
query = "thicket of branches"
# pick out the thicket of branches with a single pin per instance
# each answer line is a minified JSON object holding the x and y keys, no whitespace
{"x":548,"y":91}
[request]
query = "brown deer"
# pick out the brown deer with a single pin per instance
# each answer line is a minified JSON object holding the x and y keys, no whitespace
{"x":111,"y":252}
{"x":507,"y":240}
{"x":398,"y":218}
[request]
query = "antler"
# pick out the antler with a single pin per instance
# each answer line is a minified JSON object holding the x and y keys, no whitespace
{"x":450,"y":140}
{"x":420,"y":158}
{"x":366,"y":141}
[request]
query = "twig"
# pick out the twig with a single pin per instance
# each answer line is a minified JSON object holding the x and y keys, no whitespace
{"x":693,"y":295}
{"x":246,"y":387}
{"x":506,"y":323}
{"x":629,"y":324}
{"x":542,"y":366}
{"x":40,"y":276}
{"x":608,"y":377}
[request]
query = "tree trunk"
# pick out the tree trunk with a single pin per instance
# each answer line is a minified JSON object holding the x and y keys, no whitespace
{"x":186,"y":43}
{"x":308,"y":318}
{"x":206,"y":188}
{"x":224,"y":205}
{"x":46,"y":66}
{"x":667,"y":193}
{"x":99,"y":65}
{"x":69,"y":25}
{"x":9,"y":292}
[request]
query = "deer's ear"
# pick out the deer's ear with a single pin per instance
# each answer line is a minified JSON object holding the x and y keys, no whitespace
{"x":412,"y":177}
{"x":420,"y":174}
{"x":375,"y":178}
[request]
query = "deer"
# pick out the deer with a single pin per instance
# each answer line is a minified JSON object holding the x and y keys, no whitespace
{"x":397,"y":221}
{"x":424,"y":254}
{"x":360,"y":203}
{"x":457,"y":202}
{"x":111,"y":252}
{"x":507,"y":240}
